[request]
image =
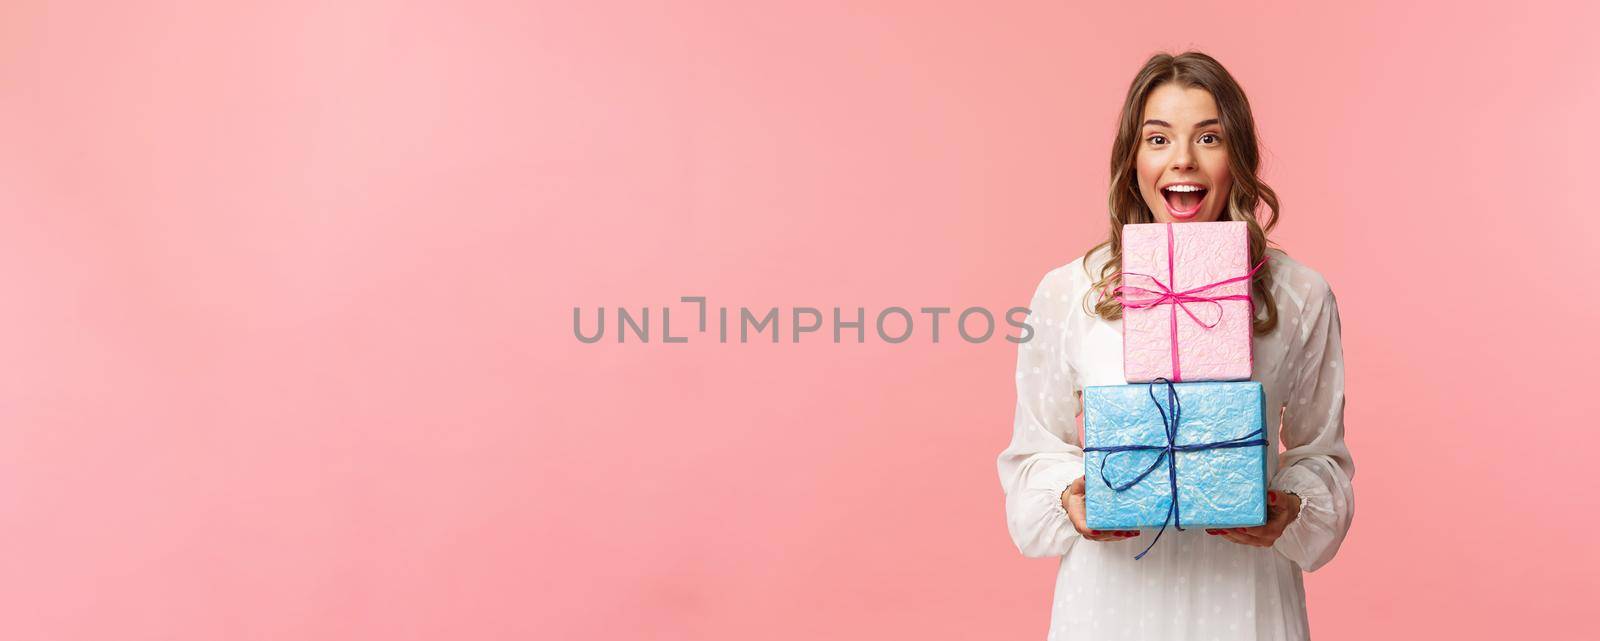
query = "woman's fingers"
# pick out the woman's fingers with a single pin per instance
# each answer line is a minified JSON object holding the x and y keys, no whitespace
{"x":1279,"y":514}
{"x":1242,"y":538}
{"x":1075,"y":512}
{"x":1260,"y":536}
{"x":1075,"y":506}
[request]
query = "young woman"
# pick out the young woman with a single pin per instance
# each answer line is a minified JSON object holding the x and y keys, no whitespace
{"x":1185,"y":152}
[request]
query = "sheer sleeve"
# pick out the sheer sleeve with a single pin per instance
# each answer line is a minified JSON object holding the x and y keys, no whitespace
{"x":1315,"y":463}
{"x":1044,"y":456}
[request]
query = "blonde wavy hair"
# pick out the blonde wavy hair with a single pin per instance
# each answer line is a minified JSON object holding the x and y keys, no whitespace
{"x":1248,"y":193}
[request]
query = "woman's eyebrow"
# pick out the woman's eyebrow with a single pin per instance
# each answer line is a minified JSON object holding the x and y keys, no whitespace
{"x":1163,"y":123}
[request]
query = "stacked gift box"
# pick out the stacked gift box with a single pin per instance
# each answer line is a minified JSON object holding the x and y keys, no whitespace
{"x":1183,"y":444}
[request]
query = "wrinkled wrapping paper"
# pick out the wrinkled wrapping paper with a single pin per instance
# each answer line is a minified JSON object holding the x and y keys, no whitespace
{"x":1205,"y":253}
{"x":1216,"y":488}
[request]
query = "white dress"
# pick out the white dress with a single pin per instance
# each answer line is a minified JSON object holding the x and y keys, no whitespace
{"x":1192,"y":585}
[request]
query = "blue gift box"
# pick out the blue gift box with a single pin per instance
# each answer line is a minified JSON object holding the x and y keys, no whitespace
{"x":1204,"y":442}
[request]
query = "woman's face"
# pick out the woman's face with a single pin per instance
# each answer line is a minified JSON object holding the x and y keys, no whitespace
{"x":1182,"y":161}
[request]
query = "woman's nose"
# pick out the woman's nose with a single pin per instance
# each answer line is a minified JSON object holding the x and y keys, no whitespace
{"x":1182,"y":159}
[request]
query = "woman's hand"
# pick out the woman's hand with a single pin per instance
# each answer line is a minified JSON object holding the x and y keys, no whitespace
{"x":1072,"y":499}
{"x":1282,"y":509}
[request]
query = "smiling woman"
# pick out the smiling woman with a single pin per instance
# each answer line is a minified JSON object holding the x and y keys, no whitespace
{"x":1185,"y":152}
{"x":1182,"y":154}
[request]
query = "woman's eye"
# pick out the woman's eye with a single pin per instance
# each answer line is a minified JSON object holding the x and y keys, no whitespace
{"x":1213,"y":138}
{"x":1157,"y":139}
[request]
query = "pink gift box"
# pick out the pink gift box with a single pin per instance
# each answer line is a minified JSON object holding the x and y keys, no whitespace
{"x":1186,"y":302}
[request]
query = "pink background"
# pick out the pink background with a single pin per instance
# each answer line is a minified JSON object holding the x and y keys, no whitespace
{"x":288,"y":295}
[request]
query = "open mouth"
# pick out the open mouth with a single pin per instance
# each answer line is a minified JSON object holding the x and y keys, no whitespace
{"x":1183,"y":201}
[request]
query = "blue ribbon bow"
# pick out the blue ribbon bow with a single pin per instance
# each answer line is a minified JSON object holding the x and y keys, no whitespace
{"x":1168,"y":451}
